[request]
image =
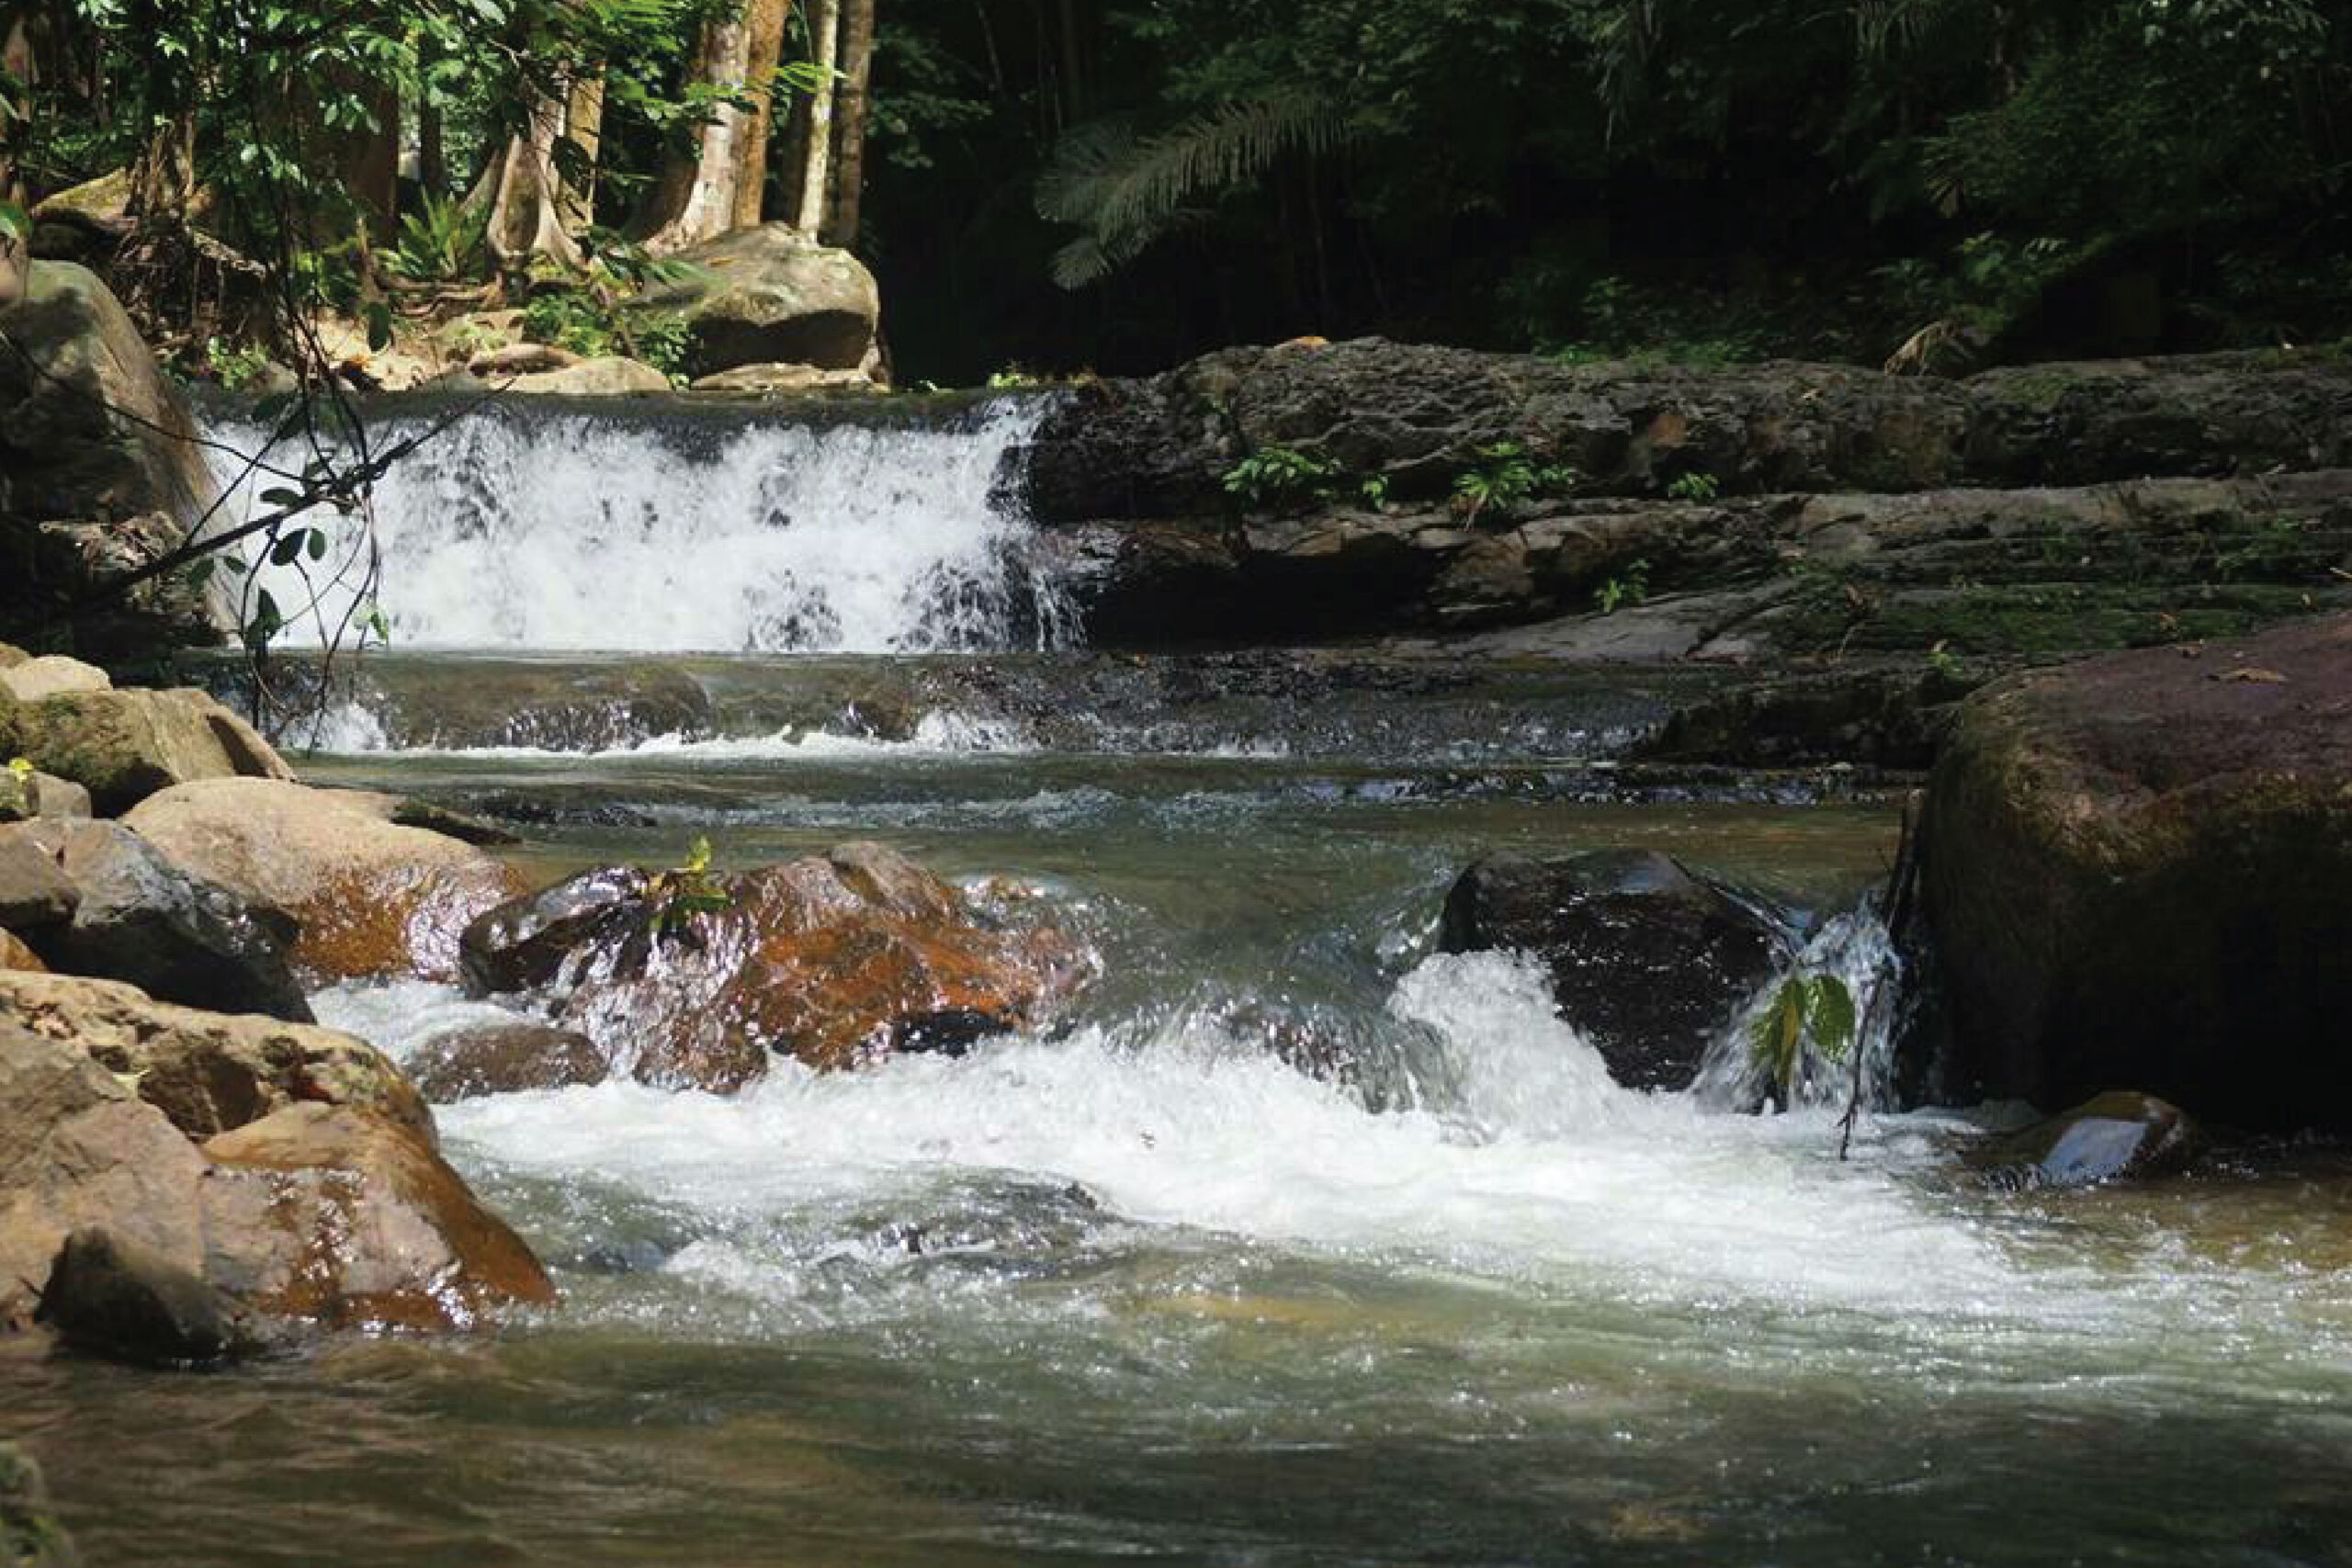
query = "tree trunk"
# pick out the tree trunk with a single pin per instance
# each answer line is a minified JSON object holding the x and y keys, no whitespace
{"x":163,"y":178}
{"x":857,"y":72}
{"x":764,"y":20}
{"x":519,"y":193}
{"x":696,"y":198}
{"x":815,"y":184}
{"x":16,"y":118}
{"x":583,"y":127}
{"x":369,"y":163}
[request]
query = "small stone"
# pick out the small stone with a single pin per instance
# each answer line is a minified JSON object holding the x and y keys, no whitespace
{"x":504,"y":1059}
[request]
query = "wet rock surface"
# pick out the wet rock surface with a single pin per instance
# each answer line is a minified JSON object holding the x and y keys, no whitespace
{"x":504,"y":1059}
{"x":315,"y":1215}
{"x":2114,"y":1136}
{"x":30,"y":1536}
{"x":369,"y":897}
{"x":140,"y":918}
{"x":341,"y":1219}
{"x":833,"y":960}
{"x":1648,"y":960}
{"x":2139,"y":869}
{"x":117,"y":1298}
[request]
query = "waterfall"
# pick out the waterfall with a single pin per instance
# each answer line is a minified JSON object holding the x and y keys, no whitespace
{"x":661,"y":527}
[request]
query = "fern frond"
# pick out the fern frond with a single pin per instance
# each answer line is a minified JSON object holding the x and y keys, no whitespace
{"x":1125,"y":190}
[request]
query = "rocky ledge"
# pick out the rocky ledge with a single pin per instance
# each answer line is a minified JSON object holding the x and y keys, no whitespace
{"x":1638,"y":513}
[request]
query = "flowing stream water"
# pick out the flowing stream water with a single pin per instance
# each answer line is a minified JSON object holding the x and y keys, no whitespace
{"x":1292,"y":1242}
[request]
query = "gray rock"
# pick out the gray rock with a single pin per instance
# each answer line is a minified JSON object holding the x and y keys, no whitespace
{"x":33,"y":890}
{"x":143,"y":919}
{"x":766,"y":295}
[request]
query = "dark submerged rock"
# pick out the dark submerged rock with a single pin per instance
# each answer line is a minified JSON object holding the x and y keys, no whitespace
{"x":1647,"y":959}
{"x":2139,"y":869}
{"x":2110,"y":1137}
{"x":117,"y":1297}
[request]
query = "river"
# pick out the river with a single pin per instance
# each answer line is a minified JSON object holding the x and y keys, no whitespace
{"x":1291,"y":1242}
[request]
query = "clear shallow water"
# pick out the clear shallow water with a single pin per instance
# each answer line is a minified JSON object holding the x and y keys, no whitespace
{"x":1290,"y":1243}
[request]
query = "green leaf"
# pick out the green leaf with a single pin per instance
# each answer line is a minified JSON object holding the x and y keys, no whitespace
{"x":287,"y":550}
{"x":15,"y":223}
{"x":1831,"y":1017}
{"x":316,"y":543}
{"x":281,"y":498}
{"x":379,"y":326}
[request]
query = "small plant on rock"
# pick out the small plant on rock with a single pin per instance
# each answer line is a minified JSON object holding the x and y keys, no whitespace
{"x":677,"y":894}
{"x":1695,"y":487}
{"x":1631,"y":586}
{"x":1505,"y":476}
{"x":1807,"y":1008}
{"x":1275,"y":476}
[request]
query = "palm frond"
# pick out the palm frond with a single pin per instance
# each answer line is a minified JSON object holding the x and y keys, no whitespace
{"x":1126,"y":190}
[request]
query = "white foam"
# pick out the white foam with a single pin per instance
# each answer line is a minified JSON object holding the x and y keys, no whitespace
{"x":570,"y":531}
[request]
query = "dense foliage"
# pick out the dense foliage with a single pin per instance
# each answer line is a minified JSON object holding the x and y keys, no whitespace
{"x":1057,"y":183}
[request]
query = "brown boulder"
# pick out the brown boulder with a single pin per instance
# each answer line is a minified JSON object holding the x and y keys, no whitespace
{"x":343,"y":1219}
{"x":371,"y":898}
{"x":504,"y":1059}
{"x":77,"y":1148}
{"x":124,"y":746}
{"x":2138,"y":869}
{"x":34,"y":891}
{"x":211,"y":1072}
{"x":833,"y":959}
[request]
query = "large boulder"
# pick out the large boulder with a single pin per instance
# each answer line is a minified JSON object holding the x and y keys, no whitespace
{"x":1649,"y":961}
{"x":124,"y":746}
{"x":211,"y":1072}
{"x":370,"y":897}
{"x":2138,"y":869}
{"x":77,"y":1148}
{"x":834,"y":959}
{"x":766,"y":295}
{"x":140,"y":918}
{"x":86,"y":493}
{"x":345,"y":1220}
{"x":324,"y":1215}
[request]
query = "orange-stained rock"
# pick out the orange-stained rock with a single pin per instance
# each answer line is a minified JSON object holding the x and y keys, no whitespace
{"x":15,"y":955}
{"x":834,"y":959}
{"x":343,"y":1219}
{"x":372,"y":897}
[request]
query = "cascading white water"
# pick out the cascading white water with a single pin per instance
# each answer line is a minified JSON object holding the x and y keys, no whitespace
{"x":1858,"y":951}
{"x":572,"y":530}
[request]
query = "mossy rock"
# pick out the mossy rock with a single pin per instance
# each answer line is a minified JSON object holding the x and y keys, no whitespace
{"x":123,"y":746}
{"x":29,"y":1536}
